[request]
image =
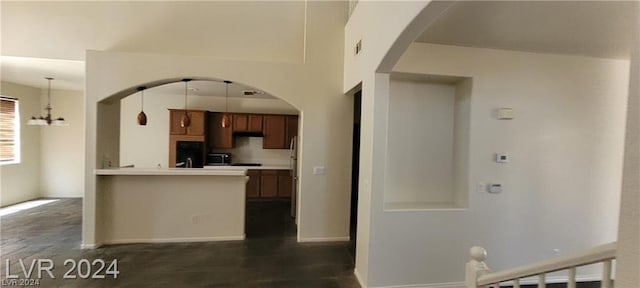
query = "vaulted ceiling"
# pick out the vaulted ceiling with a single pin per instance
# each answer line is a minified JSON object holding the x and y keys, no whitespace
{"x":589,"y":28}
{"x":57,"y":34}
{"x":50,"y":38}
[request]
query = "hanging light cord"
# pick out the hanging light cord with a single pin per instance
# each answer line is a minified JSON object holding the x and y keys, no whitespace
{"x":186,"y":88}
{"x":49,"y":92}
{"x":226,"y":98}
{"x":141,"y":100}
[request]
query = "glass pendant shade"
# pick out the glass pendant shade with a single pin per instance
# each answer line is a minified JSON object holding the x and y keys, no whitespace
{"x":37,"y":121}
{"x":59,"y":122}
{"x":226,"y":122}
{"x":185,"y":121}
{"x":142,"y":117}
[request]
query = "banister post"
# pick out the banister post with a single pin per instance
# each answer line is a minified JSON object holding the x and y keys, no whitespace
{"x":476,"y":266}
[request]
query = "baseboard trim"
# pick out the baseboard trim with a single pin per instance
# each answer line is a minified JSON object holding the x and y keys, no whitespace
{"x":359,"y":278}
{"x":90,"y":246}
{"x":524,"y":281}
{"x":324,"y":239}
{"x":176,"y":240}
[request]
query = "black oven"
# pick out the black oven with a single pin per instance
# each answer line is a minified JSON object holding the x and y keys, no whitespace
{"x":189,"y":154}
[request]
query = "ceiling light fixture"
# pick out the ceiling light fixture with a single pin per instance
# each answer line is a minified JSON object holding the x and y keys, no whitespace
{"x":47,"y":120}
{"x":185,"y":121}
{"x":225,"y":118}
{"x":142,"y":117}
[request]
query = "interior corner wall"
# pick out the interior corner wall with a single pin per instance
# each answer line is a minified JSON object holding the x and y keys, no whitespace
{"x":21,"y":182}
{"x":62,"y":152}
{"x":377,"y":38}
{"x":566,"y":149}
{"x":628,"y":259}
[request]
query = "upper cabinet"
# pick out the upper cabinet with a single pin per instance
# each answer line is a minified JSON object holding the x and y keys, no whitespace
{"x":247,"y":123}
{"x":196,"y":128}
{"x":274,"y":130}
{"x":255,"y":123}
{"x":278,"y":131}
{"x":217,"y":136}
{"x":292,"y":128}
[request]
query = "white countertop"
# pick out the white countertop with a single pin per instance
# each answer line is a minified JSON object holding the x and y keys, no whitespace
{"x":173,"y":171}
{"x":265,"y":167}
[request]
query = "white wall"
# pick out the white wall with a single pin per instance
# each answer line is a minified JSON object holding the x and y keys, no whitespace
{"x":381,"y":41}
{"x":203,"y":208}
{"x":21,"y":182}
{"x":62,"y":152}
{"x":148,"y":146}
{"x":420,"y":148}
{"x":566,"y":164}
{"x":628,"y":260}
{"x":315,"y":88}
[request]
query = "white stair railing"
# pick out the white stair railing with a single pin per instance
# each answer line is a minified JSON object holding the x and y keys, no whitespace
{"x":478,"y":274}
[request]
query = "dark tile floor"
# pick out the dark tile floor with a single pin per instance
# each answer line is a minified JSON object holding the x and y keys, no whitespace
{"x":270,"y":257}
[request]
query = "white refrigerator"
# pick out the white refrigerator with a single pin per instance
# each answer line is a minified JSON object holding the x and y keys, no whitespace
{"x":293,"y":170}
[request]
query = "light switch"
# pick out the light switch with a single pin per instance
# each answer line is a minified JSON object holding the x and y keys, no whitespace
{"x":318,"y":170}
{"x":495,"y":188}
{"x":505,"y":113}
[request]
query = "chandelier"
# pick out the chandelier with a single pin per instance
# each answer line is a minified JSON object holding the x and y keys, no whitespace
{"x":47,"y":120}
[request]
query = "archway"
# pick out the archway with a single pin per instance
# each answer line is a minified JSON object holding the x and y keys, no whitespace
{"x":272,"y":184}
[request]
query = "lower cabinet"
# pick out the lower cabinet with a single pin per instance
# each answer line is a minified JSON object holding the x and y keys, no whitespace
{"x":269,"y":184}
{"x":253,"y":185}
{"x":284,"y":183}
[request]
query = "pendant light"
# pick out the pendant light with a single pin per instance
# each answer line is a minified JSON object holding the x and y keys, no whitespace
{"x":142,"y":117}
{"x":185,"y":121}
{"x":225,"y":118}
{"x":47,"y":120}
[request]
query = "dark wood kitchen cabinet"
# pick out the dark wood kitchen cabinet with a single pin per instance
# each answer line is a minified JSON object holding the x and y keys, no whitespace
{"x":292,"y":129}
{"x":196,"y":128}
{"x":274,"y":132}
{"x":247,"y":123}
{"x":217,"y":136}
{"x":284,"y":183}
{"x":253,"y":185}
{"x":255,"y":123}
{"x":268,"y":183}
{"x":240,"y":123}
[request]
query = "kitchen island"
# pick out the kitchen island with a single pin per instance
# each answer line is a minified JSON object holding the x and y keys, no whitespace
{"x":171,"y":205}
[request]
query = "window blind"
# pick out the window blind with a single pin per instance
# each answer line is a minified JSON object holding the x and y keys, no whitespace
{"x":8,"y":131}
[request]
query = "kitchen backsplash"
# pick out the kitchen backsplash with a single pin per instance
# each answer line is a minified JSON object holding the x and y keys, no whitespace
{"x":249,"y":150}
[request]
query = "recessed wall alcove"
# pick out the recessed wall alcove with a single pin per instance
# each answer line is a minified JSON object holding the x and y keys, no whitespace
{"x":427,"y":142}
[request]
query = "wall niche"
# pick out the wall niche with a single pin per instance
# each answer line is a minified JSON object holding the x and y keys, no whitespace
{"x":427,"y":159}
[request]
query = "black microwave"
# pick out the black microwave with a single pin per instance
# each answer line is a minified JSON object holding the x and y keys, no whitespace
{"x":215,"y":159}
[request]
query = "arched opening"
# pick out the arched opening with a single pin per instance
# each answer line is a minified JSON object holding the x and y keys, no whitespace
{"x":260,"y":137}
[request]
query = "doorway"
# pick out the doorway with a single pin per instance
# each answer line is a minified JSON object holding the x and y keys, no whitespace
{"x":355,"y":172}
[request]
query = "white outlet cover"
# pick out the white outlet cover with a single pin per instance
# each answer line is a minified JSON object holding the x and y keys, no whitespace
{"x":318,"y":170}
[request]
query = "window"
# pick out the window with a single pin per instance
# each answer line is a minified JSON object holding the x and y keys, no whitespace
{"x":9,"y":131}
